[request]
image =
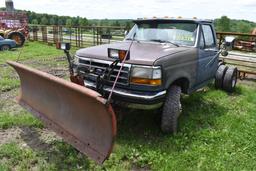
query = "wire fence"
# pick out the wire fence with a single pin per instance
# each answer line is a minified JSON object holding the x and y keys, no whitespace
{"x":95,"y":35}
{"x":77,"y":36}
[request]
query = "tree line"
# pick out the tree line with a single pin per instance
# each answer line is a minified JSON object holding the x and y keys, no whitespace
{"x":223,"y":24}
{"x":48,"y":19}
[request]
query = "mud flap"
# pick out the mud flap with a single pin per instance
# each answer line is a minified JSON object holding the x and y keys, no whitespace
{"x":77,"y":114}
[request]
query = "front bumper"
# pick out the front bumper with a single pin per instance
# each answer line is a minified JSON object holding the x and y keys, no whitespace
{"x":131,"y":96}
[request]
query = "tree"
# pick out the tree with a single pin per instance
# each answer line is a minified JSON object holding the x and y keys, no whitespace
{"x":34,"y":21}
{"x":243,"y":27}
{"x":117,"y":23}
{"x":52,"y":21}
{"x":44,"y":21}
{"x":69,"y":22}
{"x":60,"y":21}
{"x":223,"y":24}
{"x":128,"y":25}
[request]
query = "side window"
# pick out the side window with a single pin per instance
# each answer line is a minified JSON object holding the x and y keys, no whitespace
{"x":202,"y":45}
{"x":208,"y":36}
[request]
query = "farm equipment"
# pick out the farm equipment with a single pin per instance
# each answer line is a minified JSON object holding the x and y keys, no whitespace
{"x":158,"y":60}
{"x":14,"y":25}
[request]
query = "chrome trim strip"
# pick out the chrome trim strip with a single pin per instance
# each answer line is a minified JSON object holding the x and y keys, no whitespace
{"x":101,"y":61}
{"x":142,"y":97}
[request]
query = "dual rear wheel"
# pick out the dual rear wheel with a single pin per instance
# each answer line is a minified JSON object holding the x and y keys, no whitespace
{"x":226,"y":78}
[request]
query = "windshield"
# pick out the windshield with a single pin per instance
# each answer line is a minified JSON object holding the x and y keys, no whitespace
{"x":176,"y":33}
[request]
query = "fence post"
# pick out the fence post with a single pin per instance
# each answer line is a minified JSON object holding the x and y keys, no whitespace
{"x":60,"y":34}
{"x":35,"y":30}
{"x":44,"y":33}
{"x":81,"y":31}
{"x":97,"y":35}
{"x":55,"y":34}
{"x":93,"y":30}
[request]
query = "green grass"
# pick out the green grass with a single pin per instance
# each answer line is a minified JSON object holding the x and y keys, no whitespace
{"x":216,"y":132}
{"x":8,"y":120}
{"x":31,"y":50}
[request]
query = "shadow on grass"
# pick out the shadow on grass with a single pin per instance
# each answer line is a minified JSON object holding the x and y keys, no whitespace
{"x":143,"y":127}
{"x":58,"y":154}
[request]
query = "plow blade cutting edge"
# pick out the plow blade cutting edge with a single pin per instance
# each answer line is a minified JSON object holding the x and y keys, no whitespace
{"x":77,"y":114}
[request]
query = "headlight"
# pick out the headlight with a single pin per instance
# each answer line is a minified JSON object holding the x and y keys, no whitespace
{"x":146,"y":75}
{"x":118,"y":54}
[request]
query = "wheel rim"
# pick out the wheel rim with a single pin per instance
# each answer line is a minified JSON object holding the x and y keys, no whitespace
{"x":180,"y":108}
{"x":233,"y":82}
{"x":17,"y":39}
{"x":5,"y":48}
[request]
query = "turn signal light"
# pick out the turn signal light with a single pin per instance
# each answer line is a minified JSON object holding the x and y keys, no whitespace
{"x":122,"y":54}
{"x":144,"y":81}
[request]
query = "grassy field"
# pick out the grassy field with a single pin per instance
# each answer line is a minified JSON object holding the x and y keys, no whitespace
{"x":216,"y":132}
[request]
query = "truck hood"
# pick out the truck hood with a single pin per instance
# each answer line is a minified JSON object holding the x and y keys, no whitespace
{"x":141,"y":52}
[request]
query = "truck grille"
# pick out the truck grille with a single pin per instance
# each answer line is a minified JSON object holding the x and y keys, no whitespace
{"x":96,"y":65}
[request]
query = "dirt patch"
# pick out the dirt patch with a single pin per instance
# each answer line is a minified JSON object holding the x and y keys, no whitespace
{"x":26,"y":137}
{"x":8,"y":102}
{"x":9,"y":135}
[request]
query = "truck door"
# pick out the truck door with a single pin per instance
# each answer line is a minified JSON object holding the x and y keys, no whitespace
{"x":207,"y":59}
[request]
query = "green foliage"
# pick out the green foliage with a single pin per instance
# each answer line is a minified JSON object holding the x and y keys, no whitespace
{"x":44,"y":21}
{"x":231,"y":25}
{"x":69,"y":22}
{"x":34,"y":21}
{"x":223,"y":24}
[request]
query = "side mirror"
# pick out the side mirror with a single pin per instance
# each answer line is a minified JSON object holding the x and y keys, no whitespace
{"x":125,"y":33}
{"x":63,"y":46}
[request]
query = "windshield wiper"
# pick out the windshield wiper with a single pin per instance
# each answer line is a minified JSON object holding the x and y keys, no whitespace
{"x":133,"y":39}
{"x":164,"y":41}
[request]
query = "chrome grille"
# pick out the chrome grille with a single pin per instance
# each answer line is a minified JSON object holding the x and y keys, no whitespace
{"x":94,"y":65}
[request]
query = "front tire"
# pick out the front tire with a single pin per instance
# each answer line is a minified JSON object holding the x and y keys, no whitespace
{"x":18,"y":37}
{"x":171,"y":110}
{"x":5,"y":47}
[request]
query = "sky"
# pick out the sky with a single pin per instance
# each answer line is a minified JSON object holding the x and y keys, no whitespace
{"x":132,"y":9}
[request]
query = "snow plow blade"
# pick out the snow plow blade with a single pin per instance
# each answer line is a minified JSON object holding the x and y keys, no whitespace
{"x":77,"y":114}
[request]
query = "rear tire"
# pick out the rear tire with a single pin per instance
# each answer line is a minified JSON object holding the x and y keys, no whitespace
{"x":5,"y":47}
{"x":230,"y":79}
{"x":219,"y":76}
{"x":171,"y":110}
{"x":18,"y":37}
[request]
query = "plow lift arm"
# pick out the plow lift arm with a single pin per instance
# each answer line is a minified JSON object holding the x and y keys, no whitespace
{"x":81,"y":116}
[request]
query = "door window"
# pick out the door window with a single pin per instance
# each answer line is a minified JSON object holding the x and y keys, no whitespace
{"x":208,"y":36}
{"x":202,"y":45}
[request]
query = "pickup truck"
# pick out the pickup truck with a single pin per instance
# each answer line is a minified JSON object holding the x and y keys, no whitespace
{"x":158,"y":60}
{"x":167,"y":57}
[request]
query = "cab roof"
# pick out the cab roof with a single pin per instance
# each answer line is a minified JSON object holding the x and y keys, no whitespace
{"x":189,"y":20}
